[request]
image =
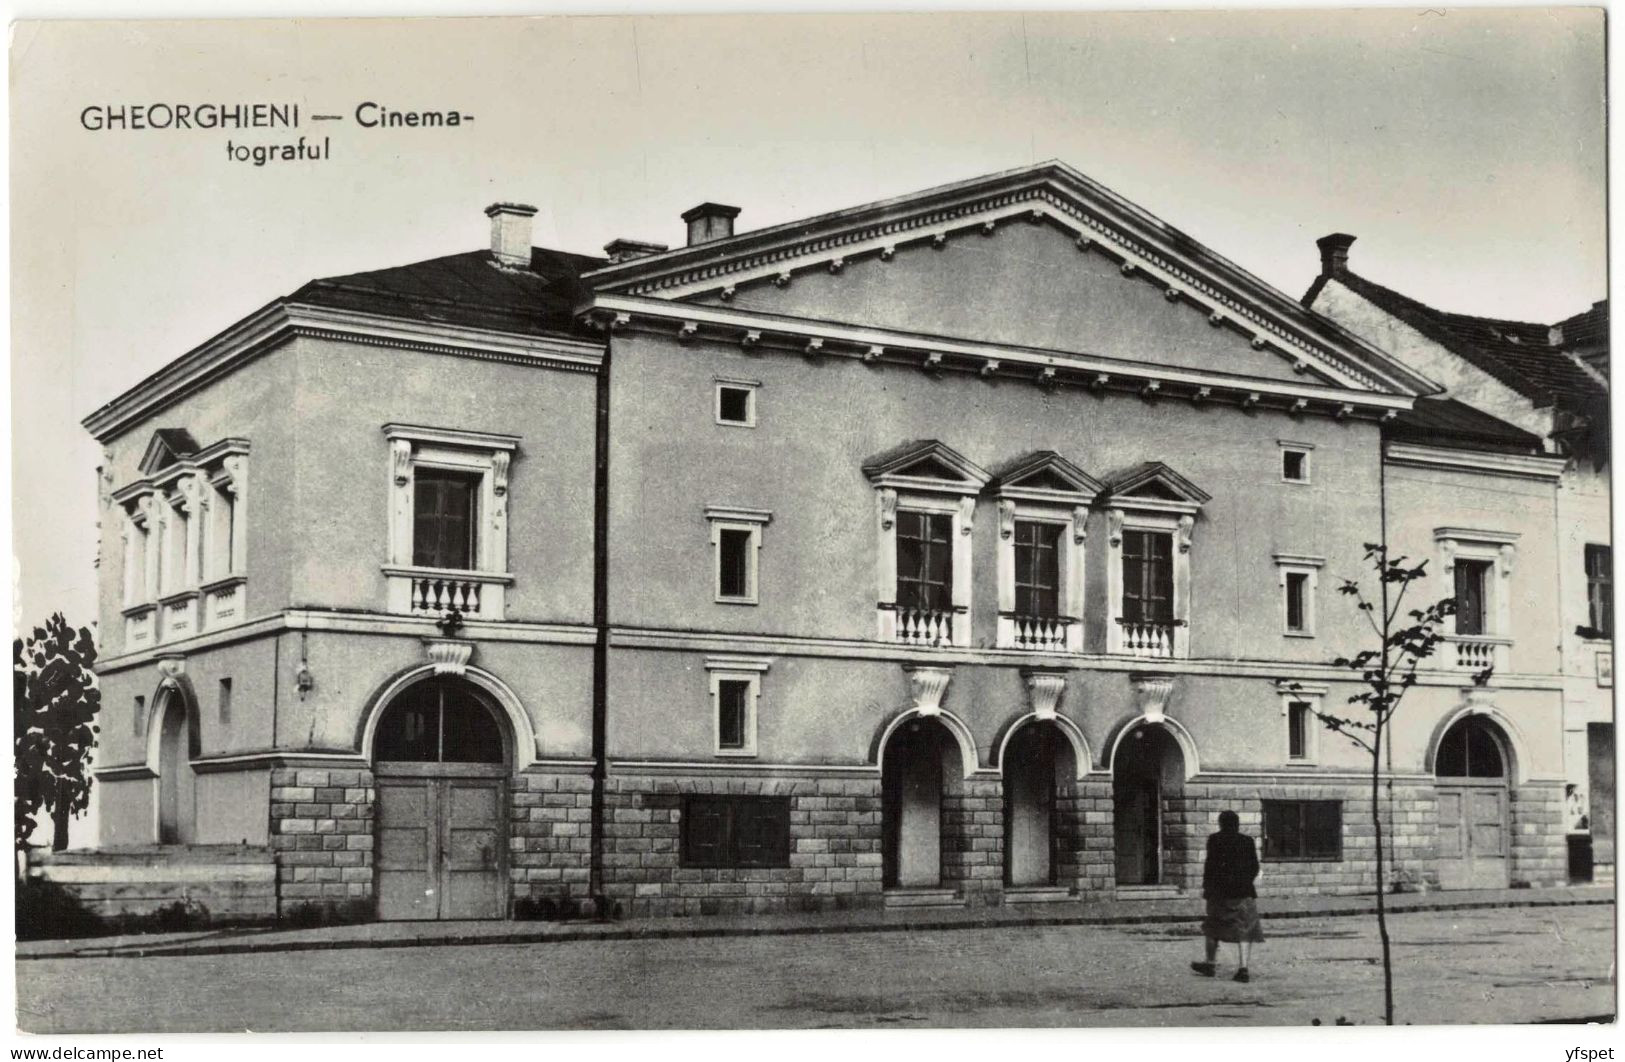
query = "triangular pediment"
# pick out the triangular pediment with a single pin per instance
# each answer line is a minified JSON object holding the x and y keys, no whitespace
{"x":1155,"y":481}
{"x":167,"y":446}
{"x":1045,"y":472}
{"x":1041,"y":257}
{"x":924,"y":461}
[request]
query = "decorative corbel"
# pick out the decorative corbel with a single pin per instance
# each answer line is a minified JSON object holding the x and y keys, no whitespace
{"x":1389,"y":415}
{"x":1080,"y":524}
{"x":988,"y":226}
{"x":1035,"y":216}
{"x":1300,"y":366}
{"x":1202,"y":395}
{"x":933,"y":361}
{"x":1044,"y":690}
{"x":687,"y":331}
{"x":171,"y":668}
{"x":1250,"y":401}
{"x":1046,"y":377}
{"x":1007,"y":518}
{"x":1114,"y":527}
{"x":1187,"y":525}
{"x":888,"y":508}
{"x":1084,"y":244}
{"x":926,"y":685}
{"x":1508,"y":554}
{"x":874,"y":353}
{"x":939,"y":241}
{"x":1150,"y":388}
{"x":837,"y":264}
{"x":1216,"y":318}
{"x":1447,"y":555}
{"x":450,"y":656}
{"x":1128,"y":269}
{"x":751,"y":337}
{"x":1299,"y":406}
{"x":401,"y":452}
{"x":1259,"y":341}
{"x":1344,"y":411}
{"x":990,"y":366}
{"x":1100,"y":381}
{"x":1171,"y":293}
{"x":967,"y":514}
{"x":888,"y":252}
{"x":782,"y":280}
{"x":815,"y":347}
{"x":1151,"y":695}
{"x":499,"y":472}
{"x":728,"y":292}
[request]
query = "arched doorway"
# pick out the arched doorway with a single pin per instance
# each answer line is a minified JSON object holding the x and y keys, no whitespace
{"x":177,"y":783}
{"x":1471,"y":769}
{"x":1039,"y":765}
{"x":441,"y":754}
{"x":919,"y":766}
{"x":1148,"y":769}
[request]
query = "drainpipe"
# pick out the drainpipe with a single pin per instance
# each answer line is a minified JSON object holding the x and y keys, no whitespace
{"x":600,"y":645}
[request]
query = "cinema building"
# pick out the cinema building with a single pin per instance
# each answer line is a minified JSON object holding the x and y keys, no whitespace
{"x":975,"y":546}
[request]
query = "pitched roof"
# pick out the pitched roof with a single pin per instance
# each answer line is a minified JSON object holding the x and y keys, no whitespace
{"x":1447,"y":422}
{"x":1154,"y":477}
{"x":1520,"y":354}
{"x":468,"y":289}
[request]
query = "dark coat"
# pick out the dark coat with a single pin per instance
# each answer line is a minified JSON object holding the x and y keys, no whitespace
{"x":1232,"y":864}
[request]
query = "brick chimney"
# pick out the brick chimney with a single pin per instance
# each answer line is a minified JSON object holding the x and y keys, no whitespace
{"x":510,"y":233}
{"x":710,"y":221}
{"x":1334,"y":253}
{"x":624,"y":250}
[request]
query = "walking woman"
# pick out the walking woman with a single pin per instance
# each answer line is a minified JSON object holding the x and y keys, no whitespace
{"x":1232,"y":902}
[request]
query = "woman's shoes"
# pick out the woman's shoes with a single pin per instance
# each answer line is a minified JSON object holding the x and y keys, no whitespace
{"x":1242,"y":976}
{"x":1203,"y":968}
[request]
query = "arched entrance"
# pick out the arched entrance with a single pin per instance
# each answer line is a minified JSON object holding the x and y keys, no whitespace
{"x":920,"y":764}
{"x":1039,"y":765}
{"x":1148,"y":769}
{"x":177,"y":783}
{"x":1471,"y":769}
{"x":441,"y":754}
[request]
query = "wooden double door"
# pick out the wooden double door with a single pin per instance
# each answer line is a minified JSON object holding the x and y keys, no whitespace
{"x":442,"y":841}
{"x":1473,"y":834}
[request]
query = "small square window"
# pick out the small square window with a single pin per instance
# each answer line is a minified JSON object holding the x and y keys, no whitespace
{"x":1295,"y":466}
{"x":736,"y":404}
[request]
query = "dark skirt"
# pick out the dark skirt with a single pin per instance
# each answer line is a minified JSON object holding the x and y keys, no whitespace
{"x":1233,"y":921}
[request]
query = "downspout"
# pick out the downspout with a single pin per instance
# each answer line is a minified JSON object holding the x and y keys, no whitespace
{"x":600,"y":646}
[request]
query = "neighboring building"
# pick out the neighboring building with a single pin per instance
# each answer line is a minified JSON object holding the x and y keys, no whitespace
{"x":1522,"y":388}
{"x":975,"y":545}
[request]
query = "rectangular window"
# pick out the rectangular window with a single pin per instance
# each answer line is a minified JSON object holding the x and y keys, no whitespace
{"x":736,"y":831}
{"x":925,"y":561}
{"x":1295,"y":466}
{"x":733,"y":708}
{"x":1297,"y":731}
{"x":140,"y":715}
{"x":1600,"y":589}
{"x":1297,"y":600}
{"x":1038,"y":569}
{"x":733,"y":563}
{"x":1472,"y":580}
{"x":1148,"y":577}
{"x":736,"y":404}
{"x":445,"y":505}
{"x":1303,"y":829}
{"x":225,"y":700}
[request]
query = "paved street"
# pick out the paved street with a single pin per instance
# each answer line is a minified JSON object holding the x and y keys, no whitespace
{"x":1505,"y":965}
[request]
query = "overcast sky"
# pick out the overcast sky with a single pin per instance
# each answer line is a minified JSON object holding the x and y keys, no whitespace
{"x":1465,"y":150}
